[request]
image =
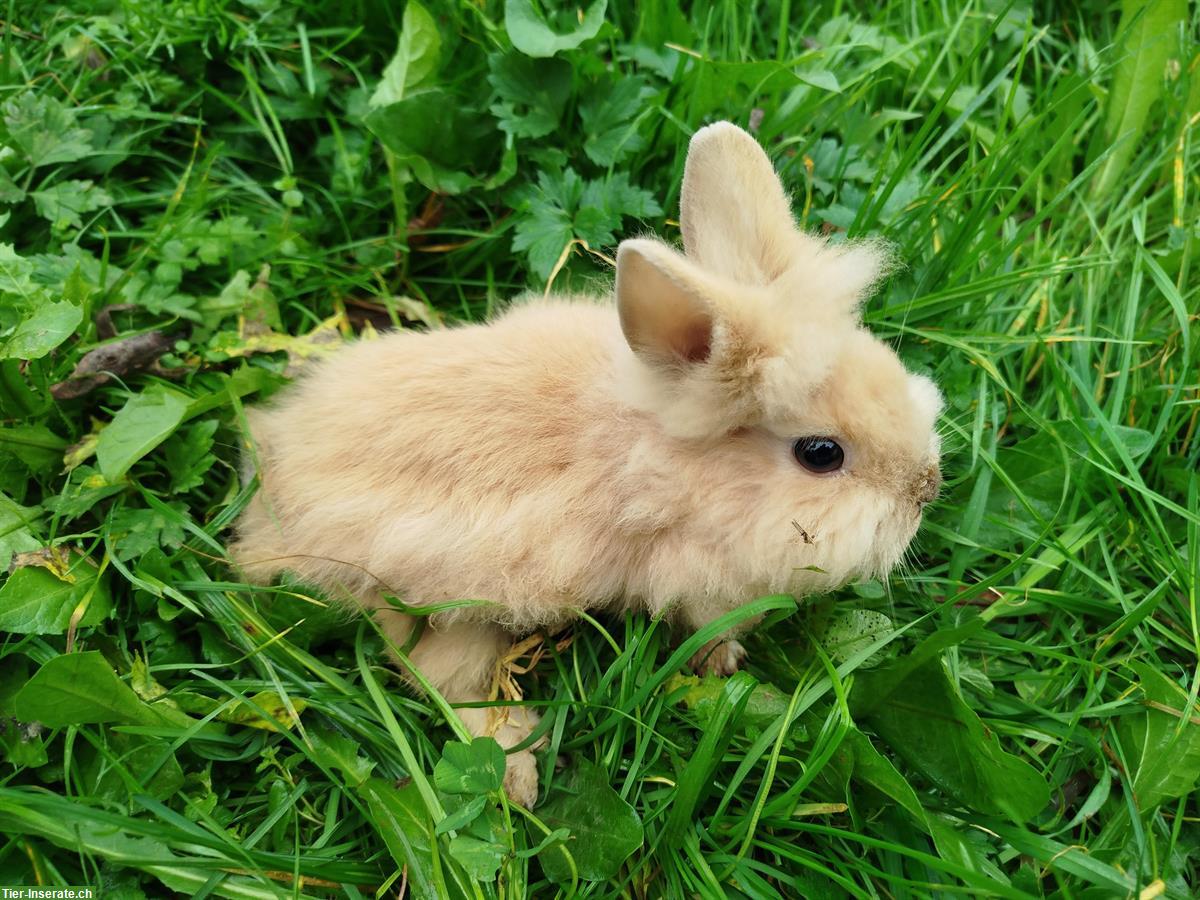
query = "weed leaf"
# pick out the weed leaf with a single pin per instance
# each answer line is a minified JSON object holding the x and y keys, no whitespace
{"x":400,"y":818}
{"x":81,"y":688}
{"x":416,"y":57}
{"x":531,"y":34}
{"x":145,"y":421}
{"x":337,"y":751}
{"x":1150,"y":30}
{"x":45,"y":130}
{"x":43,"y":325}
{"x":926,"y":723}
{"x":1163,"y":749}
{"x":604,"y":829}
{"x":531,"y":93}
{"x":474,"y":768}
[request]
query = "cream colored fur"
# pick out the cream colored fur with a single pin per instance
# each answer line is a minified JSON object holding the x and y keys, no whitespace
{"x":580,"y":454}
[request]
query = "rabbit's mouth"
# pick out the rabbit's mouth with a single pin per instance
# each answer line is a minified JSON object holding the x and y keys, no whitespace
{"x":926,"y":486}
{"x":893,"y":535}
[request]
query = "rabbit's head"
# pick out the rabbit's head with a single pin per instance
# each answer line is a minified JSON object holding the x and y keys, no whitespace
{"x":818,"y":449}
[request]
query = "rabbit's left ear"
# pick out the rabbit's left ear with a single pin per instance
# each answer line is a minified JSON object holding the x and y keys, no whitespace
{"x":735,"y":216}
{"x":660,"y":301}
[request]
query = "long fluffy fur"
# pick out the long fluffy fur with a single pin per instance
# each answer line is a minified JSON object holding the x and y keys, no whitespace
{"x":550,"y":461}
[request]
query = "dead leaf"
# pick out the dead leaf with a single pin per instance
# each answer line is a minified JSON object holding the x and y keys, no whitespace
{"x":112,"y":360}
{"x":321,"y":341}
{"x":246,"y":713}
{"x":51,"y":558}
{"x":85,"y":448}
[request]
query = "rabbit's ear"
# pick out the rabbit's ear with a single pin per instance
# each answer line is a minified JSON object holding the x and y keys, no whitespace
{"x":664,"y":315}
{"x":735,"y":216}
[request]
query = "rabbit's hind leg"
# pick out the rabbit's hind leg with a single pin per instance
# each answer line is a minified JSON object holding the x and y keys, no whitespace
{"x":460,"y":661}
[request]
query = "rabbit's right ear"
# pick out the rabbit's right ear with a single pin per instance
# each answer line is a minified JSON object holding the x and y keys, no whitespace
{"x":660,"y":299}
{"x":734,"y":213}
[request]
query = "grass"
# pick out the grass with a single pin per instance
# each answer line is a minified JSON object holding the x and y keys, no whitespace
{"x":209,"y":185}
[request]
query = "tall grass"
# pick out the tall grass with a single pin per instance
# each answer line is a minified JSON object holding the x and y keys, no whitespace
{"x":215,"y":190}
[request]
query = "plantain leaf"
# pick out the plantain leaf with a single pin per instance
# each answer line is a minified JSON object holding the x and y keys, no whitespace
{"x":1150,"y":30}
{"x":81,"y":688}
{"x":417,"y":55}
{"x":42,"y":597}
{"x":928,"y":725}
{"x":1162,"y":748}
{"x":145,"y":421}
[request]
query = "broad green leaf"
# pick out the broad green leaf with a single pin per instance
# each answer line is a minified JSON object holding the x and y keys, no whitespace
{"x":44,"y":326}
{"x":820,"y":78}
{"x":620,"y":198}
{"x":400,"y":818}
{"x":928,"y":725}
{"x":610,"y":114}
{"x":1137,"y":442}
{"x":563,"y":207}
{"x":873,"y":768}
{"x":145,"y":421}
{"x":336,"y":751}
{"x":231,"y":301}
{"x":64,"y":203}
{"x":467,"y":813}
{"x":135,"y":531}
{"x":863,"y":702}
{"x":851,"y":631}
{"x":44,"y":130}
{"x":474,"y":768}
{"x":481,"y":843}
{"x":261,"y":309}
{"x":416,"y":57}
{"x":531,"y":34}
{"x":81,"y":689}
{"x":136,"y":753}
{"x":16,"y":276}
{"x":21,"y":743}
{"x":870,"y":767}
{"x":40,"y":599}
{"x":10,"y":191}
{"x":702,"y":695}
{"x":1150,"y":29}
{"x":868,"y":590}
{"x":437,"y":135}
{"x":195,"y":242}
{"x":1162,"y":748}
{"x":604,"y":829}
{"x":16,"y":531}
{"x":544,"y":229}
{"x":481,"y":859}
{"x":531,"y":93}
{"x":189,"y":455}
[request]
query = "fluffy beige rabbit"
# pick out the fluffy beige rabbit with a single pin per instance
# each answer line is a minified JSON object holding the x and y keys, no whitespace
{"x":657,"y":452}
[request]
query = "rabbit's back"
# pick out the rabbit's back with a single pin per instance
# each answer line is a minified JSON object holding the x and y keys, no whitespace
{"x":461,"y":463}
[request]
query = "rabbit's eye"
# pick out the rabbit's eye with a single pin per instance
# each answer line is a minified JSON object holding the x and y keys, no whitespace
{"x":818,"y":454}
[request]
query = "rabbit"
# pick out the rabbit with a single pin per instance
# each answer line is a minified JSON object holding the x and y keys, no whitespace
{"x":721,"y":428}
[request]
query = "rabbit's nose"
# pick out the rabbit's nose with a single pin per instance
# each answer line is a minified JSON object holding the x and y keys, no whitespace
{"x":928,"y":483}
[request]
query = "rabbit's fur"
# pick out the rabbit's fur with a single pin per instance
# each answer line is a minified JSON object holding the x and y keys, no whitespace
{"x":580,"y":454}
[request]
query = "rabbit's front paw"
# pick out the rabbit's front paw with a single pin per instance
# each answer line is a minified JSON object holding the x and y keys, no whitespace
{"x":521,"y":779}
{"x":719,"y":658}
